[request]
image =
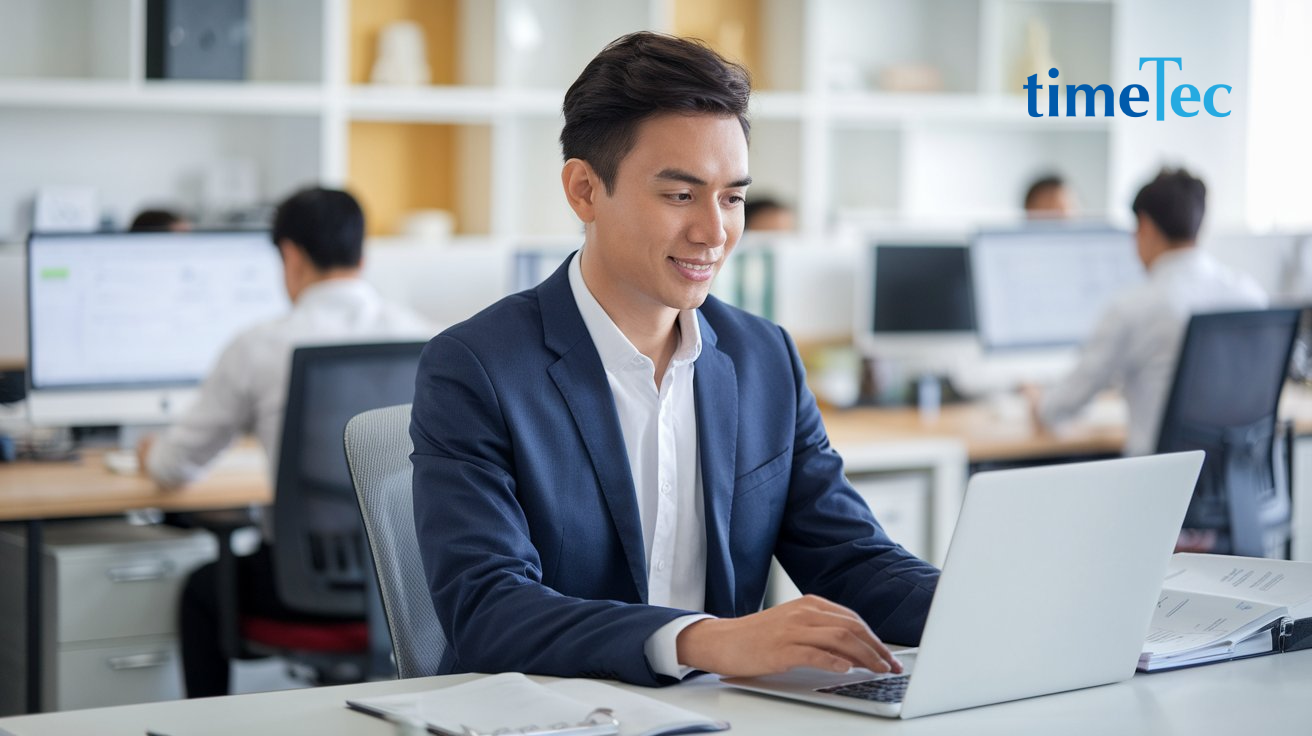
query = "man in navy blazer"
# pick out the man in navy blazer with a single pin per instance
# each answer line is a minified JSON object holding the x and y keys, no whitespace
{"x":604,"y":465}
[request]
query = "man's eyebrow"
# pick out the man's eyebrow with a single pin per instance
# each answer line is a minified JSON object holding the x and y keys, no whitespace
{"x":683,"y":176}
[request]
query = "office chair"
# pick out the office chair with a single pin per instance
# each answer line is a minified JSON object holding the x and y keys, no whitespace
{"x":319,"y":556}
{"x":1223,"y":400}
{"x":378,"y":452}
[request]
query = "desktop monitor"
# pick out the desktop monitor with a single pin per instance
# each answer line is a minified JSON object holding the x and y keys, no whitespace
{"x":915,"y":310}
{"x":1045,"y":287}
{"x":1281,"y":263}
{"x":123,"y":326}
{"x":921,"y":289}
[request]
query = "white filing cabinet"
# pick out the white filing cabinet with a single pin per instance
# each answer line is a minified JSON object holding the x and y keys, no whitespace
{"x":112,"y":592}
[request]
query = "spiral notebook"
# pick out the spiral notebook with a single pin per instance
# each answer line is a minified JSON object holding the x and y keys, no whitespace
{"x":513,"y":704}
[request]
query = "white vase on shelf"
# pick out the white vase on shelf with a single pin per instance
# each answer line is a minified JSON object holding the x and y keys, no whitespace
{"x":402,"y":56}
{"x":1037,"y":59}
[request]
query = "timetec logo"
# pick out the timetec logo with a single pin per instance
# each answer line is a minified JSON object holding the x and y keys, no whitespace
{"x":1130,"y":95}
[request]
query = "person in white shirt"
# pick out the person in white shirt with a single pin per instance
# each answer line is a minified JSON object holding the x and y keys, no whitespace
{"x":1137,"y":339}
{"x":1136,"y":342}
{"x":320,"y":234}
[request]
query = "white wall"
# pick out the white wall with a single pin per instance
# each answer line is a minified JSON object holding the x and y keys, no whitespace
{"x":13,"y":305}
{"x":1280,"y":148}
{"x":1211,"y":36}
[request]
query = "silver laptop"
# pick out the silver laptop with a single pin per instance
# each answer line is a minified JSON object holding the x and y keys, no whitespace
{"x":1049,"y":585}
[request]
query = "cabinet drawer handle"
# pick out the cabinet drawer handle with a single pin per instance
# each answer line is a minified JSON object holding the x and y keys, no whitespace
{"x":138,"y":661}
{"x":139,"y":573}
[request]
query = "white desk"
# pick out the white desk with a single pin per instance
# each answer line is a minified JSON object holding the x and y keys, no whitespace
{"x":1267,"y":696}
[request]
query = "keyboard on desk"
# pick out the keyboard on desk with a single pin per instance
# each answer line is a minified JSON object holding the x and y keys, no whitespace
{"x":880,"y":690}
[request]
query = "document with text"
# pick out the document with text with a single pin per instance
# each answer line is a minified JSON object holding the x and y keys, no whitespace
{"x":1217,"y":607}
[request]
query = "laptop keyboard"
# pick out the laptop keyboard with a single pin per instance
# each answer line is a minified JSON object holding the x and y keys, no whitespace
{"x":883,"y":690}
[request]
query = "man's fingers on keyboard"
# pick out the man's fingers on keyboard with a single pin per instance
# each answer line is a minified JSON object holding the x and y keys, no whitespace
{"x":817,"y":658}
{"x":843,"y":643}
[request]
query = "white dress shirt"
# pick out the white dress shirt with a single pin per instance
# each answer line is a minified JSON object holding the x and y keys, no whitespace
{"x":246,"y":390}
{"x":660,"y":436}
{"x":1137,"y":340}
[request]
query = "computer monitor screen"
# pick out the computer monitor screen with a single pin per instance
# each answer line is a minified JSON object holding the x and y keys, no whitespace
{"x":1047,"y":287}
{"x":921,"y":289}
{"x":116,"y":321}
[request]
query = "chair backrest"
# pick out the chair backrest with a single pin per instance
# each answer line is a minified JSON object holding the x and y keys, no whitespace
{"x":378,"y":451}
{"x":320,"y":560}
{"x":1228,"y":380}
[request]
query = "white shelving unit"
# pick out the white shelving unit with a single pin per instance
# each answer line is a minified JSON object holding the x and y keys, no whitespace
{"x":75,"y":107}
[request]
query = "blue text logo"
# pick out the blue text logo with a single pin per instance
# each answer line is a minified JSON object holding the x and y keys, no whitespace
{"x":1182,"y":95}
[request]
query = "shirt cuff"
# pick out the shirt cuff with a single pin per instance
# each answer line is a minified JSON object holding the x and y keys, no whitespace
{"x":661,"y":648}
{"x":166,"y":469}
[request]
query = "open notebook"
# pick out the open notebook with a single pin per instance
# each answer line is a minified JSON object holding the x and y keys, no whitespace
{"x":1216,"y":607}
{"x":513,"y":701}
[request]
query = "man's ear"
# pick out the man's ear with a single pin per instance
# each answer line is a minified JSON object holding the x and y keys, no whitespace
{"x":582,"y":188}
{"x":293,"y":255}
{"x":294,"y":260}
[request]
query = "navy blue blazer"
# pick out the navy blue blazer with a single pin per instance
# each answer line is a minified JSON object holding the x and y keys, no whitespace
{"x":527,"y":516}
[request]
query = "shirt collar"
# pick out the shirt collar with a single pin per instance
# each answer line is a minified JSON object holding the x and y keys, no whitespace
{"x":333,"y":290}
{"x":1177,"y":259}
{"x":616,"y":351}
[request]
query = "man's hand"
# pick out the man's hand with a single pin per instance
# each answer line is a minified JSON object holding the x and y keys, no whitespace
{"x":807,"y":632}
{"x":143,"y":453}
{"x":1034,"y":396}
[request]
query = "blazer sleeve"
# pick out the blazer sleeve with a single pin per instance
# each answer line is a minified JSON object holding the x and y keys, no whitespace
{"x":484,"y":573}
{"x":832,"y":546}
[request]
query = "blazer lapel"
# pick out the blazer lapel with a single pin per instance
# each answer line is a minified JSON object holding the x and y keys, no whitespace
{"x":715,"y":390}
{"x":582,"y":382}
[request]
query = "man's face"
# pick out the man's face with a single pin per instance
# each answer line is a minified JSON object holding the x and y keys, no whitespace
{"x":1052,"y":203}
{"x":675,"y":213}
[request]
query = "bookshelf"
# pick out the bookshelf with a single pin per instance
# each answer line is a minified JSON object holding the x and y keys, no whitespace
{"x":832,"y":133}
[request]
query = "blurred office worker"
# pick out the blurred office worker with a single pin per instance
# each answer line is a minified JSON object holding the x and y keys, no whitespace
{"x":1136,"y":341}
{"x":320,"y":234}
{"x":159,"y":221}
{"x":1048,"y":198}
{"x":765,"y":213}
{"x":604,"y":465}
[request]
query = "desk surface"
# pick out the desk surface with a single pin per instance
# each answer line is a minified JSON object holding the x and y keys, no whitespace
{"x":54,"y":490}
{"x":1267,"y":695}
{"x":1002,"y":431}
{"x":987,"y":433}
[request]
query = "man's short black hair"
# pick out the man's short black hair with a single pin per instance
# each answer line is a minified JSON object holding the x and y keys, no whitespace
{"x":758,"y":205}
{"x":637,"y":77}
{"x":1041,"y":186}
{"x":1175,"y":201}
{"x":153,"y":221}
{"x":327,"y":224}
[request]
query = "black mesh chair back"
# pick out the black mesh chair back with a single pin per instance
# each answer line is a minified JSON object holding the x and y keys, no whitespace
{"x":1223,"y":400}
{"x":321,"y":559}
